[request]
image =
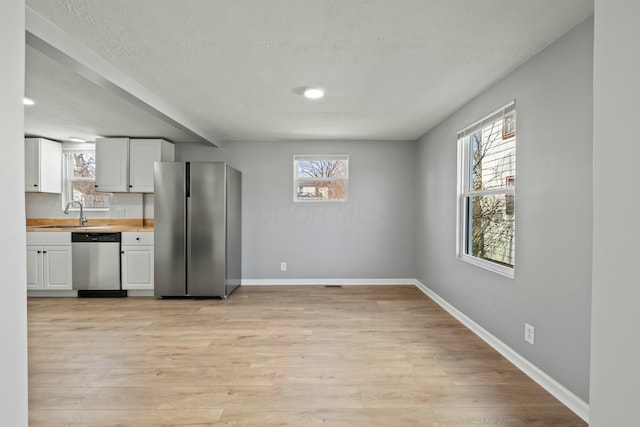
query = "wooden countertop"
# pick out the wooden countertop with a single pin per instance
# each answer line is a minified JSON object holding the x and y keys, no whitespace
{"x":92,"y":225}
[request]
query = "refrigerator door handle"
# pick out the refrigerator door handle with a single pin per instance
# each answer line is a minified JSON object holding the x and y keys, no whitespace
{"x":187,"y":243}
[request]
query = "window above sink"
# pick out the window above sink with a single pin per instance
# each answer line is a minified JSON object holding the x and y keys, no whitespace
{"x":79,"y":178}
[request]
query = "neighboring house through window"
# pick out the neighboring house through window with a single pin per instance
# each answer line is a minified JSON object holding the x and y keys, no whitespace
{"x":320,"y":178}
{"x":486,"y":191}
{"x":79,"y":179}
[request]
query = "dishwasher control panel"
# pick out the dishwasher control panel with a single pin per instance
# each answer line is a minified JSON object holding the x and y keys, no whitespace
{"x":95,"y":237}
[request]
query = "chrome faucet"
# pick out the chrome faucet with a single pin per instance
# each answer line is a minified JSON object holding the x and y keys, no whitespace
{"x":82,"y":218}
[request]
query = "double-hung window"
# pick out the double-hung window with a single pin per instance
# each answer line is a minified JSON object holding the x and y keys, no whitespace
{"x":320,"y":178}
{"x":79,"y":179}
{"x":486,"y":191}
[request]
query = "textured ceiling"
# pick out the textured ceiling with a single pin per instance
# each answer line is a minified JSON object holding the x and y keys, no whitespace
{"x":68,"y":105}
{"x":392,"y":69}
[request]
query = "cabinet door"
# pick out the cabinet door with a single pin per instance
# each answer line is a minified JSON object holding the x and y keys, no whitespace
{"x":142,"y":154}
{"x":57,"y":267}
{"x":34,"y":267}
{"x":43,"y":165}
{"x":112,"y":165}
{"x":137,"y":267}
{"x":50,"y":166}
{"x":31,"y":165}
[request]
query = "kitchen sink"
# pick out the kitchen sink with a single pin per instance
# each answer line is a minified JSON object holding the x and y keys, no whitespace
{"x":68,"y":226}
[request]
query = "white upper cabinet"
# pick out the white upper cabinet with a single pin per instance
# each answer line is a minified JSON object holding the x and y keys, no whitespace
{"x":43,"y":165}
{"x":142,"y":155}
{"x":112,"y":165}
{"x":126,"y":165}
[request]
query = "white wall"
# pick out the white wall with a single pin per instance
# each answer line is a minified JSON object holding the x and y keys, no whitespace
{"x":13,"y":313}
{"x":371,"y":236}
{"x":615,"y":346}
{"x":552,"y":285}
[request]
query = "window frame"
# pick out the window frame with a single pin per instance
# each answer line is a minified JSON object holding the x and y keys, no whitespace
{"x":465,"y":191}
{"x":320,"y":157}
{"x":66,"y":179}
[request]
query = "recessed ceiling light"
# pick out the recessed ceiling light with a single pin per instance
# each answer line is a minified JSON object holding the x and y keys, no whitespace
{"x":76,"y":139}
{"x":314,"y":92}
{"x":28,"y":101}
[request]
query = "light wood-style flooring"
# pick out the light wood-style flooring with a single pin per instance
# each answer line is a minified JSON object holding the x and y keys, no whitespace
{"x":273,"y":356}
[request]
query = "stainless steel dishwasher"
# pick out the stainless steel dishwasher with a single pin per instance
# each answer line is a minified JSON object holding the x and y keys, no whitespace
{"x":96,"y":264}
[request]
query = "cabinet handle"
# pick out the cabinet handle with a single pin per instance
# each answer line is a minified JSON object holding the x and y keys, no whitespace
{"x":35,"y":185}
{"x":122,"y":252}
{"x":44,"y":252}
{"x":39,"y":252}
{"x":96,"y":185}
{"x":131,"y":186}
{"x":137,"y":238}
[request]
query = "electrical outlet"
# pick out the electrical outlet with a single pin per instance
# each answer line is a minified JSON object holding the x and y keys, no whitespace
{"x":283,"y":266}
{"x":529,"y":333}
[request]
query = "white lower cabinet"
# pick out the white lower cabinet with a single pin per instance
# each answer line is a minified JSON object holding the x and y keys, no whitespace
{"x":49,"y":265}
{"x":137,"y":260}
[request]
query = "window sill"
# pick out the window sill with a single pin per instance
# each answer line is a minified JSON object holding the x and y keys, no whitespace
{"x":488,"y":265}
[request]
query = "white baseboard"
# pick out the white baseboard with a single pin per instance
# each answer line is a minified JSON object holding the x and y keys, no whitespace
{"x":333,"y":282}
{"x":557,"y":390}
{"x":57,"y":293}
{"x":140,"y":293}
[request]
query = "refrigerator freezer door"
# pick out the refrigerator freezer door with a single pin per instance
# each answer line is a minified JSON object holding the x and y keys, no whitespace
{"x":207,"y":217}
{"x":234,"y":229}
{"x":170,"y":229}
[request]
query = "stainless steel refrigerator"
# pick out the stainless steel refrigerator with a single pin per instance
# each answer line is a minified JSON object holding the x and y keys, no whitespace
{"x":197,"y":229}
